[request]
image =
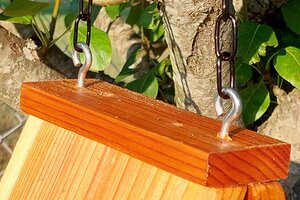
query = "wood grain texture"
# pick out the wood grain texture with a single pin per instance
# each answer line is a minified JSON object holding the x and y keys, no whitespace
{"x":22,"y":149}
{"x":162,"y":135}
{"x":64,"y":165}
{"x":265,"y":191}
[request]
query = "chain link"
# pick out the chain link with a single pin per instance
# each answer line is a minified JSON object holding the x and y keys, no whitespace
{"x":222,"y":56}
{"x":84,"y":16}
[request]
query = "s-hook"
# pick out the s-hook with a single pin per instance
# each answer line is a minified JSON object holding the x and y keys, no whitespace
{"x":225,"y":56}
{"x":233,"y":114}
{"x":84,"y":15}
{"x":87,"y":64}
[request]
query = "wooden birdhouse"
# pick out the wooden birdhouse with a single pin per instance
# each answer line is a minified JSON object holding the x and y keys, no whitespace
{"x":105,"y":142}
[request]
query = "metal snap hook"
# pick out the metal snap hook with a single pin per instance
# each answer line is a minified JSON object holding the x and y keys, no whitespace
{"x":233,"y":114}
{"x":84,"y":68}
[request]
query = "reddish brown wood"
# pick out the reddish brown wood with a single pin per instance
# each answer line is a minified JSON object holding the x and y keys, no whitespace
{"x":172,"y":139}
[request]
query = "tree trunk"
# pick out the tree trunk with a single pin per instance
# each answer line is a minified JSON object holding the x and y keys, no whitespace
{"x":19,"y":62}
{"x":189,"y":29}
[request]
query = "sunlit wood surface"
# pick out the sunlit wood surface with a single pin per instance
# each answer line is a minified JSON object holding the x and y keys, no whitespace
{"x":266,"y":191}
{"x":60,"y":164}
{"x":162,"y":135}
{"x":105,"y":142}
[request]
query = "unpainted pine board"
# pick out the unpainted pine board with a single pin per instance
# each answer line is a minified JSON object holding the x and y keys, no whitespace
{"x":232,"y":193}
{"x":172,"y":139}
{"x":64,"y":165}
{"x":16,"y":163}
{"x":265,"y":191}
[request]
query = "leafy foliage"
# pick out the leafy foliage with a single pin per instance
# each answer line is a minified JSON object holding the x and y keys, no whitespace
{"x":114,"y":11}
{"x":18,"y":20}
{"x":291,"y":15}
{"x":129,"y":68}
{"x":150,"y":19}
{"x":256,"y":100}
{"x":148,"y":16}
{"x":287,"y":64}
{"x":253,"y":40}
{"x":100,"y":47}
{"x":147,"y":85}
{"x":44,"y":18}
{"x":53,"y":23}
{"x":243,"y":72}
{"x":148,"y":23}
{"x":20,"y":8}
{"x":21,"y":11}
{"x":266,"y":57}
{"x":263,"y":62}
{"x":38,"y":14}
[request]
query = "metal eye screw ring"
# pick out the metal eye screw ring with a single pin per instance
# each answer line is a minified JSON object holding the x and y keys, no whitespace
{"x":84,"y":68}
{"x":232,"y":115}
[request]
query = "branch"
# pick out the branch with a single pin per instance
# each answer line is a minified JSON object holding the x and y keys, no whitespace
{"x":54,"y":17}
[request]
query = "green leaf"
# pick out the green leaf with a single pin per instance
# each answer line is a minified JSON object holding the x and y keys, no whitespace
{"x":129,"y":68}
{"x":4,"y":4}
{"x":19,"y":8}
{"x":157,"y":32}
{"x":243,"y":72}
{"x":69,"y":19}
{"x":17,"y":20}
{"x":290,"y":38}
{"x":95,"y":12}
{"x":253,"y":39}
{"x":149,"y":17}
{"x":287,"y":64}
{"x":100,"y":47}
{"x":114,"y":11}
{"x":134,"y":14}
{"x":291,"y":16}
{"x":147,"y":85}
{"x":68,"y":10}
{"x":256,"y":100}
{"x":161,"y":70}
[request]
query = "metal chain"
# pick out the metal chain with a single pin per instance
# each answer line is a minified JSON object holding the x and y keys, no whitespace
{"x":84,"y":16}
{"x":225,"y":55}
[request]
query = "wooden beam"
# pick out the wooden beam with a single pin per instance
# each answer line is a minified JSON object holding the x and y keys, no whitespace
{"x":162,"y":135}
{"x":268,"y":191}
{"x":64,"y":165}
{"x":19,"y":157}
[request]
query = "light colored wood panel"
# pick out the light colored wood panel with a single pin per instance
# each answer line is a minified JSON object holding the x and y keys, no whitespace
{"x":64,"y":165}
{"x":16,"y":163}
{"x":105,"y":174}
{"x":158,"y":184}
{"x":174,"y":188}
{"x":159,"y":134}
{"x":206,"y":193}
{"x":265,"y":191}
{"x":129,"y":176}
{"x":143,"y":181}
{"x":114,"y":176}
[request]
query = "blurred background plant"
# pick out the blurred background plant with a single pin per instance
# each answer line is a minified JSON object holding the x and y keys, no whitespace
{"x":268,"y":56}
{"x":53,"y":24}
